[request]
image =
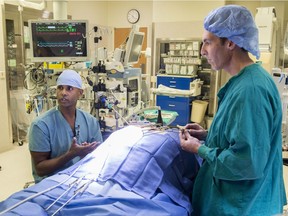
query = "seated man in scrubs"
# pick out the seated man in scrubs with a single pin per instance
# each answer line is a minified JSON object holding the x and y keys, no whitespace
{"x":64,"y":134}
{"x":242,"y":171}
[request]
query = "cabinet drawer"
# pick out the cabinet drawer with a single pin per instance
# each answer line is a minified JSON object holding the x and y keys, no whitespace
{"x":164,"y":99}
{"x":175,"y":82}
{"x":181,"y":105}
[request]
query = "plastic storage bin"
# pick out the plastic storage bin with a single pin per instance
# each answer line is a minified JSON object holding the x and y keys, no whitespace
{"x":199,"y":108}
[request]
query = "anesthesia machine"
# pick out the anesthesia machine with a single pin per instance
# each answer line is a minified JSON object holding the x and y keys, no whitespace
{"x":112,"y":88}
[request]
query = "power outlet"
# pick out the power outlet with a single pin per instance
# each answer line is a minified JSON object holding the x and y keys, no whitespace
{"x":2,"y":74}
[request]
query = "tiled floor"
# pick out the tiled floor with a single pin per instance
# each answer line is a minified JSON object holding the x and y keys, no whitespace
{"x":16,"y":171}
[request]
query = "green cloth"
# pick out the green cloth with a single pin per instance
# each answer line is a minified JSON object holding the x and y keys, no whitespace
{"x":167,"y":116}
{"x":242,"y":170}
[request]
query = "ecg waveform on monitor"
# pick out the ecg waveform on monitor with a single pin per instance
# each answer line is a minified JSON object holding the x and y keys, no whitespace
{"x":58,"y":44}
{"x":54,"y":44}
{"x":55,"y":28}
{"x":59,"y":40}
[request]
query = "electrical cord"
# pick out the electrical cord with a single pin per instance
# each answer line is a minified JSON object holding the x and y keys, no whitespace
{"x":25,"y":80}
{"x":37,"y":76}
{"x":34,"y":75}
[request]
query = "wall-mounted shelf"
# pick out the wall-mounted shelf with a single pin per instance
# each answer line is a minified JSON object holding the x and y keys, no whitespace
{"x":179,"y":57}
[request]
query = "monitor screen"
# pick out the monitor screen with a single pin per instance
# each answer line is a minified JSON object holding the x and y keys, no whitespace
{"x":133,"y":48}
{"x":58,"y":40}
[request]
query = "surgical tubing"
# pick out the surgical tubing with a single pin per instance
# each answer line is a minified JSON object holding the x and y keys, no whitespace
{"x":81,"y":190}
{"x":76,"y":182}
{"x":76,"y":192}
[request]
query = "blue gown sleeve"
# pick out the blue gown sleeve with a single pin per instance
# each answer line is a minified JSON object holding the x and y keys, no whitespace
{"x":38,"y":139}
{"x":95,"y":131}
{"x":98,"y":134}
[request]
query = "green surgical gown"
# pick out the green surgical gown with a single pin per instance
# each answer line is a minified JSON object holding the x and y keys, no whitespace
{"x":242,"y":172}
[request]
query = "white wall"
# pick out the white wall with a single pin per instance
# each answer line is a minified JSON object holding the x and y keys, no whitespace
{"x":179,"y":11}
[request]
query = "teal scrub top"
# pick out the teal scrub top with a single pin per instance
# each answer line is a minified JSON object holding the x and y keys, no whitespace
{"x":242,"y":172}
{"x":50,"y":132}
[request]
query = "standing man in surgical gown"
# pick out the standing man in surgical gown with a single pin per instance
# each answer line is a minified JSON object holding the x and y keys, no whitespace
{"x":242,"y":172}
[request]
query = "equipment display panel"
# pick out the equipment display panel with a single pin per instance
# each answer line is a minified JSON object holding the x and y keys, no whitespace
{"x":133,"y":48}
{"x":58,"y":40}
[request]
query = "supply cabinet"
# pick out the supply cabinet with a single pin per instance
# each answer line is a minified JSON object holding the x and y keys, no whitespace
{"x":178,"y":63}
{"x":178,"y":57}
{"x":179,"y":104}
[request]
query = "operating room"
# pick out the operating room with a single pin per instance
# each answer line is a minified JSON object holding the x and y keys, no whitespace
{"x":141,"y":99}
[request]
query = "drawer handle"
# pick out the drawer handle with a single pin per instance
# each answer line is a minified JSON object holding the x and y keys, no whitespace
{"x":171,"y":105}
{"x":172,"y":81}
{"x":172,"y":86}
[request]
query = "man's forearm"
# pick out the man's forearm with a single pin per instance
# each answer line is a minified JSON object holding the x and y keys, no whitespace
{"x":46,"y":167}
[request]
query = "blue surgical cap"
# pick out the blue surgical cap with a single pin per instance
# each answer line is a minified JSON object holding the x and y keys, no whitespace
{"x":70,"y":78}
{"x":235,"y":23}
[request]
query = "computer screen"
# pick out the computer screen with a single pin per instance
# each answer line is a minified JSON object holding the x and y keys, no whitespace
{"x":133,"y":48}
{"x":58,"y":40}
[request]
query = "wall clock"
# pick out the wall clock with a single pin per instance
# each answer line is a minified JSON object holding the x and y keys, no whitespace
{"x":133,"y":16}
